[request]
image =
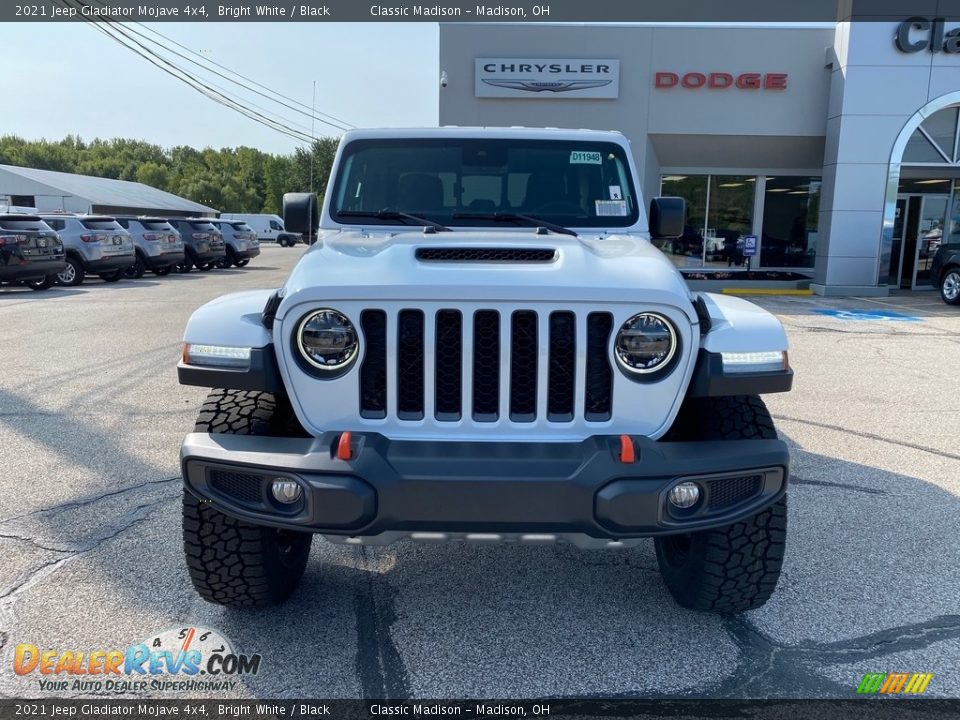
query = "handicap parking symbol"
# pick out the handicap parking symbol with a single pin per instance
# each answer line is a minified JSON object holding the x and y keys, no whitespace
{"x":868,"y":315}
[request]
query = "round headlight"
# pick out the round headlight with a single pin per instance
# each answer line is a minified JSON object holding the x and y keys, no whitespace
{"x":327,"y":339}
{"x":646,"y":343}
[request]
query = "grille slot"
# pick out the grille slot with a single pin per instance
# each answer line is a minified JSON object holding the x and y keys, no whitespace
{"x":240,"y":486}
{"x":563,"y":361}
{"x":486,"y":254}
{"x":599,"y":381}
{"x":410,"y":365}
{"x":449,"y":365}
{"x":523,"y":366}
{"x":725,"y":492}
{"x":486,"y":366}
{"x":373,"y":371}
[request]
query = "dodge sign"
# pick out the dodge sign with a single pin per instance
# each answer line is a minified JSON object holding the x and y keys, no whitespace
{"x":553,"y":78}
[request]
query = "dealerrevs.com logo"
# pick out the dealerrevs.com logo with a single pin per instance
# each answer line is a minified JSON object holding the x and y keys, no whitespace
{"x":188,"y":659}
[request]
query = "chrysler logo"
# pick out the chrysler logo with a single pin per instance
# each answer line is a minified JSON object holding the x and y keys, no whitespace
{"x":556,"y":86}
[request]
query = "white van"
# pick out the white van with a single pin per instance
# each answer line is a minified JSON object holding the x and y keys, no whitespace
{"x":267,"y":227}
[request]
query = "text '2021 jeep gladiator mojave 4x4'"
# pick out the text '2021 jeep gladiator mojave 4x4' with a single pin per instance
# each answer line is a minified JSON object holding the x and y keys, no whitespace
{"x":484,"y":345}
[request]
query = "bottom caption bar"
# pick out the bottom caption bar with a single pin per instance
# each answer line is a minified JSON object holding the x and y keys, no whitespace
{"x":567,"y":709}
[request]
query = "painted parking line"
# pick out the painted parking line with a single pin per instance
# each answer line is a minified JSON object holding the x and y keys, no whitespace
{"x":867,"y":315}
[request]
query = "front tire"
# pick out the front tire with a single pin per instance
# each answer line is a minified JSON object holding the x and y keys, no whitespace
{"x":136,"y":271}
{"x":233,"y":562}
{"x":733,"y":568}
{"x":950,"y":286}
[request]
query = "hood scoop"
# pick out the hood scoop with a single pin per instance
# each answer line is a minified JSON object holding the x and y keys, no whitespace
{"x":486,"y":254}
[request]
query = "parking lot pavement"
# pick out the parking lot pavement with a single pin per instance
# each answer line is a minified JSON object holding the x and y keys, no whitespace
{"x":91,"y":418}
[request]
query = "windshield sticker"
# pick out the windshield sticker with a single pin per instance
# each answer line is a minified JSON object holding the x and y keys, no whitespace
{"x":611,"y":208}
{"x":615,"y":193}
{"x":580,"y":157}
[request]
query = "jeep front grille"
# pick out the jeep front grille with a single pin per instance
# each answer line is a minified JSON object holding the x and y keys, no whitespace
{"x":486,"y":365}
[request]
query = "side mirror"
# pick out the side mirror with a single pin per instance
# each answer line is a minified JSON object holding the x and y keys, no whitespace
{"x":301,"y":213}
{"x":667,"y":217}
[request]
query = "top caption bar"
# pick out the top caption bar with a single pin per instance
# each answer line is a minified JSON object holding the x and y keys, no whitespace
{"x":649,"y":11}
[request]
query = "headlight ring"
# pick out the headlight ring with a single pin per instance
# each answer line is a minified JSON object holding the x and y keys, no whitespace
{"x":327,"y":341}
{"x":646,"y":345}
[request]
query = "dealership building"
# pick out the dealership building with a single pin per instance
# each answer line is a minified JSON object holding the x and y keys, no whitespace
{"x":830,"y":152}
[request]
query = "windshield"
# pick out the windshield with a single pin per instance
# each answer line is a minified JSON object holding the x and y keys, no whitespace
{"x":574,"y":184}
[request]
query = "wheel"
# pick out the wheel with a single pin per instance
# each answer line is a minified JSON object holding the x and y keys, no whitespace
{"x":242,"y":263}
{"x":227,"y":260}
{"x":73,"y":274}
{"x":161,"y":271}
{"x":234,"y":562}
{"x":135,"y":271}
{"x":733,"y":568}
{"x":48,"y":282}
{"x":111,"y":277}
{"x":282,"y":241}
{"x":950,"y":286}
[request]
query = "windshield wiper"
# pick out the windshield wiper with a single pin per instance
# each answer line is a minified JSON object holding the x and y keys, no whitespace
{"x":391,"y":214}
{"x":514,"y":218}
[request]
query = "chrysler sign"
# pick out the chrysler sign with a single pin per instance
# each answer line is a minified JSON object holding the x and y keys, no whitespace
{"x":552,"y":78}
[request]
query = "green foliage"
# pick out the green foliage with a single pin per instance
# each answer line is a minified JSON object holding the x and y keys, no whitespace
{"x":241,"y":179}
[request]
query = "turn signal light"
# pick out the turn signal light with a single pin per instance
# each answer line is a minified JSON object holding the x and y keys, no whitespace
{"x":343,"y":447}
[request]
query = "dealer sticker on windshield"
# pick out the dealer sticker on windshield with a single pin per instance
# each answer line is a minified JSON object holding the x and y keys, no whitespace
{"x":581,"y":157}
{"x":611,"y":208}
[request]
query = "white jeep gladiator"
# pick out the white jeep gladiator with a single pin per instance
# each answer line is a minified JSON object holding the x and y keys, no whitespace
{"x":483,"y":344}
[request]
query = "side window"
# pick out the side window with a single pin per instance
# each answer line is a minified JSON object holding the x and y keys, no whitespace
{"x":124,"y":223}
{"x":274,"y":225}
{"x":56,"y":224}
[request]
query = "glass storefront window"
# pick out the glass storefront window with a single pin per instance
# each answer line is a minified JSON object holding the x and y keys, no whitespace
{"x":729,"y":219}
{"x":791,"y":211}
{"x":687,"y":250}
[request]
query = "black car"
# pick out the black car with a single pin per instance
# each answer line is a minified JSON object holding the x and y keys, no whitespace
{"x":203,"y":244}
{"x":945,"y":273}
{"x":30,"y":252}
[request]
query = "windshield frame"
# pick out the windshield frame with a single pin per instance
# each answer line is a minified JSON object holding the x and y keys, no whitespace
{"x":630,"y":222}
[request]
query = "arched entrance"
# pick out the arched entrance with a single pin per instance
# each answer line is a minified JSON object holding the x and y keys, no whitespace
{"x":922,"y":208}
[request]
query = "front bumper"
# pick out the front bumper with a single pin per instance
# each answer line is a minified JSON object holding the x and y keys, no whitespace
{"x":411,"y":487}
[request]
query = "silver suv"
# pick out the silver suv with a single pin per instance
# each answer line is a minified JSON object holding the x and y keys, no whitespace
{"x":159,"y":246}
{"x":95,"y":244}
{"x":241,"y":240}
{"x":202,"y":243}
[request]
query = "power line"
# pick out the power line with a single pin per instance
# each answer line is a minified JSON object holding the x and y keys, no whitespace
{"x":260,"y":85}
{"x":334,"y":122}
{"x":178,"y":73}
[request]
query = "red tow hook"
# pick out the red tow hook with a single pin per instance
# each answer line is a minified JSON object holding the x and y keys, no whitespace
{"x":627,"y":452}
{"x":343,"y":447}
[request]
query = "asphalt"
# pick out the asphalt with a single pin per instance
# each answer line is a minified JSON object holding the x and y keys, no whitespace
{"x":91,"y":417}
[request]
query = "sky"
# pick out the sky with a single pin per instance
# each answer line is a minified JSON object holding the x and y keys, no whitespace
{"x":71,"y":79}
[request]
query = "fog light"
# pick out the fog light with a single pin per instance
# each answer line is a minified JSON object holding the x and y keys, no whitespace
{"x":285,"y":491}
{"x":684,"y":495}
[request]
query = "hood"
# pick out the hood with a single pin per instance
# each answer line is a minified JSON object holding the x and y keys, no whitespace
{"x":386,"y":265}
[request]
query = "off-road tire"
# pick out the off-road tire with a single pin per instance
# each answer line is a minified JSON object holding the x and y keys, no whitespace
{"x":733,"y":568}
{"x":233,"y":562}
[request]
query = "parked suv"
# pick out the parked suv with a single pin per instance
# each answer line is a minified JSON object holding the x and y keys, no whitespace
{"x":95,"y":244}
{"x":30,"y":251}
{"x":159,"y":247}
{"x":241,"y":241}
{"x":453,"y":361}
{"x":945,"y":273}
{"x":203,"y":243}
